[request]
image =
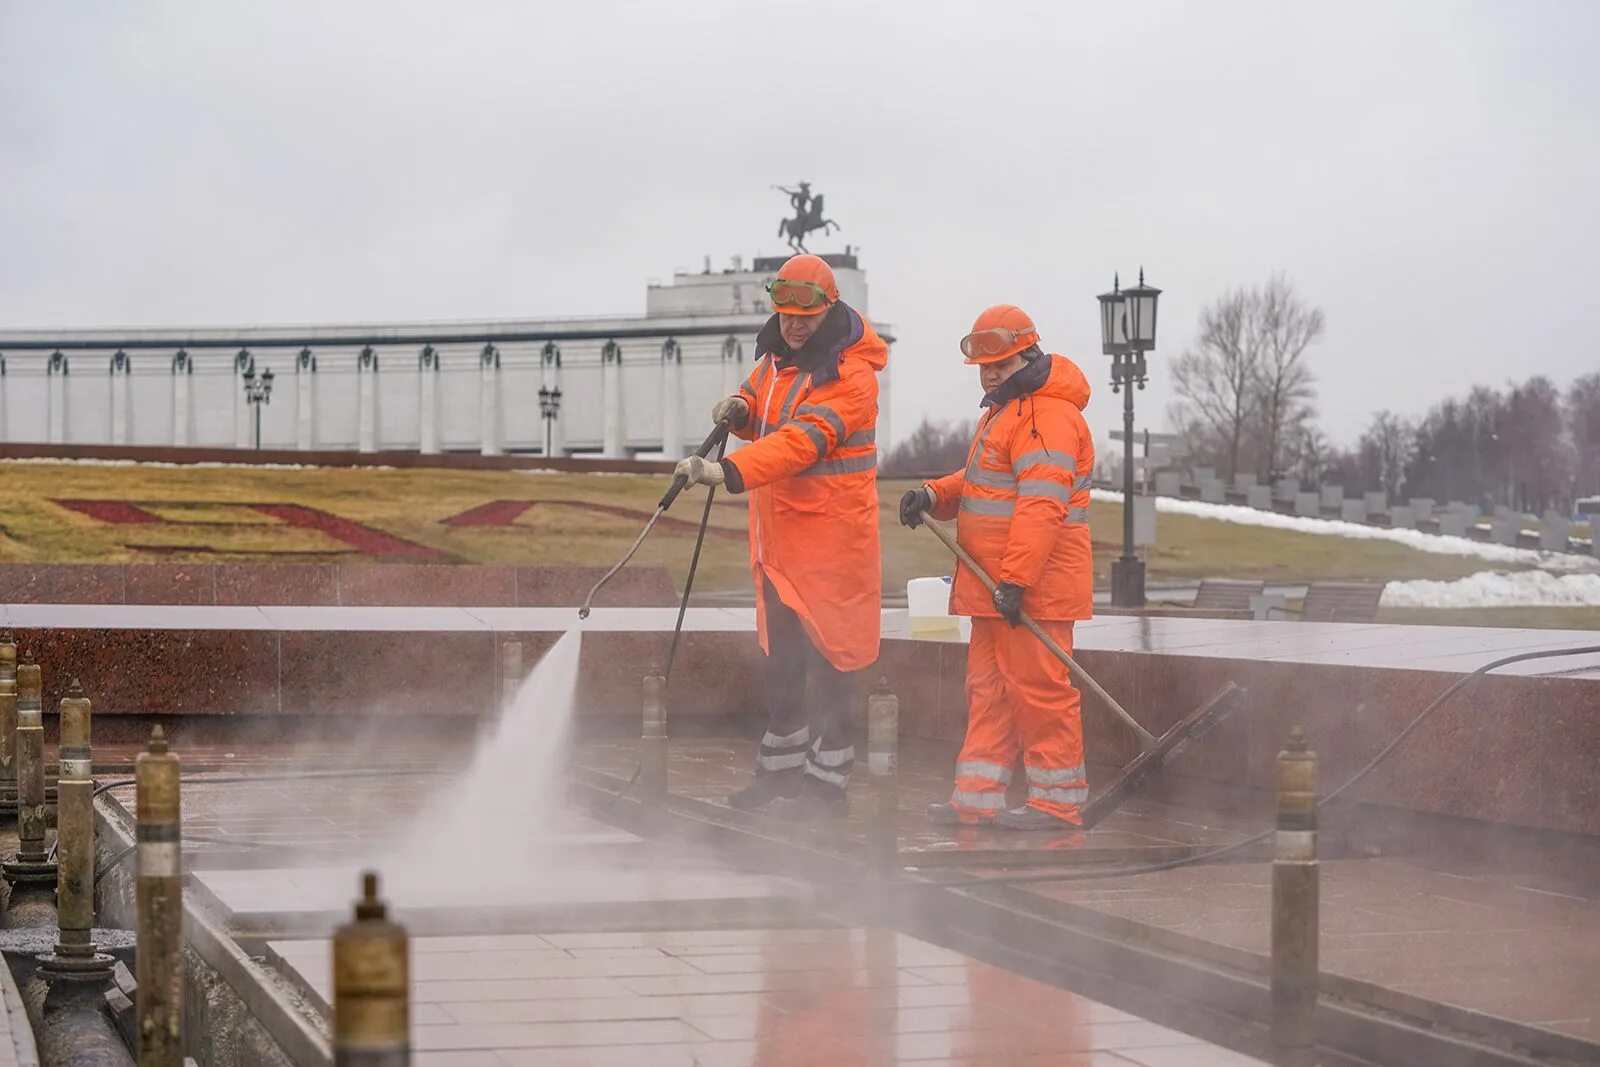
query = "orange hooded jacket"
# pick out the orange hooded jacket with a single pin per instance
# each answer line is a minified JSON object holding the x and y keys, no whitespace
{"x":811,"y":471}
{"x":1021,"y":504}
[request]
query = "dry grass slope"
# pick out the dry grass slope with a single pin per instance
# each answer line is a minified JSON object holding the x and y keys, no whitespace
{"x":575,"y":519}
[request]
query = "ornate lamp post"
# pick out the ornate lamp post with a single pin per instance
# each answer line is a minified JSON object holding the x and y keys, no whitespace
{"x":1127,"y":332}
{"x":549,"y":408}
{"x":257,"y":391}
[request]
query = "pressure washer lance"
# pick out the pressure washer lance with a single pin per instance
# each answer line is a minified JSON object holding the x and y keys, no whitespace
{"x":158,"y":892}
{"x":679,"y":484}
{"x":75,"y":953}
{"x":371,"y":986}
{"x":8,"y":724}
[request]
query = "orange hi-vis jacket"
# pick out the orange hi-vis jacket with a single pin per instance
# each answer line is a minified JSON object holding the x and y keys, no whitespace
{"x":1021,"y":504}
{"x":812,"y":472}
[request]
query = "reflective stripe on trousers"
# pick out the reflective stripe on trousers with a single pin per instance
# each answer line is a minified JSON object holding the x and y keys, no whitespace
{"x":978,"y":801}
{"x":979,"y":769}
{"x":783,"y":753}
{"x":1064,"y":776}
{"x":831,"y":765}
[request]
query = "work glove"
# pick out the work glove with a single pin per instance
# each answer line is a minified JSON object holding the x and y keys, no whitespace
{"x":913,"y":504}
{"x":1008,"y":602}
{"x":733,"y":410}
{"x":700,"y":471}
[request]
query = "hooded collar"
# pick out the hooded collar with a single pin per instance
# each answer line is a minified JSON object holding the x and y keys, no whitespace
{"x":1029,"y":379}
{"x":819,"y":356}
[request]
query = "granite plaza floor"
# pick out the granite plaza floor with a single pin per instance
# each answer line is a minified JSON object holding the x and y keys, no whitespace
{"x":633,"y":952}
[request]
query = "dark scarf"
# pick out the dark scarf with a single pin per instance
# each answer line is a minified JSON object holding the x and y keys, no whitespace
{"x":1029,"y":379}
{"x":819,"y":356}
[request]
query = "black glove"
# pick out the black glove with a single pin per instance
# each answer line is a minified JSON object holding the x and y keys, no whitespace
{"x":913,"y":504}
{"x":1008,"y":602}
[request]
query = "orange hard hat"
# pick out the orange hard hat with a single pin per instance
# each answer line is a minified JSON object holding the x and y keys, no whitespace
{"x":804,"y":286}
{"x":999,"y":333}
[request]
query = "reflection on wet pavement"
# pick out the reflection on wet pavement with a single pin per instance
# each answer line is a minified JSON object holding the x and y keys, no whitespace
{"x":771,"y":997}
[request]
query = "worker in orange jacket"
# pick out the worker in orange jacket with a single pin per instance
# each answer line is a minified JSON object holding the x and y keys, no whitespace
{"x":1021,"y":507}
{"x":809,"y":410}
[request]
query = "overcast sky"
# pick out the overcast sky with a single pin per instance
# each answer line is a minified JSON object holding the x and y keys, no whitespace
{"x":1425,"y":172}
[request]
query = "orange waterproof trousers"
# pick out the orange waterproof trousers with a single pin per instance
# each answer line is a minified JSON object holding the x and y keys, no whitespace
{"x":1020,"y":698}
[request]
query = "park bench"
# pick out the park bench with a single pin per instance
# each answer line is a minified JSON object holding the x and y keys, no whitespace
{"x":1223,"y":594}
{"x":1342,"y":601}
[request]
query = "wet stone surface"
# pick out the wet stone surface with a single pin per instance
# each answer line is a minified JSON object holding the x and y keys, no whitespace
{"x":493,"y":988}
{"x":747,"y":996}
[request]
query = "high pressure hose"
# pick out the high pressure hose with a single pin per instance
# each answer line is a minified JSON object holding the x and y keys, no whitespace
{"x":978,"y":881}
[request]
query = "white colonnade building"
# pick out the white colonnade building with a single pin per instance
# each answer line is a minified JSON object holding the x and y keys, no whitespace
{"x":629,"y":385}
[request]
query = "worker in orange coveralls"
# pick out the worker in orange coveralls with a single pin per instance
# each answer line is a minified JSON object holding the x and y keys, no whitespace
{"x":1021,"y":507}
{"x":809,"y":410}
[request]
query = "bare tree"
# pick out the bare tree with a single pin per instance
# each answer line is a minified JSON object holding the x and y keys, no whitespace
{"x":1286,"y":326}
{"x":1216,"y":381}
{"x":1583,"y":426}
{"x":1385,"y":451}
{"x":934,"y":449}
{"x":1245,"y":391}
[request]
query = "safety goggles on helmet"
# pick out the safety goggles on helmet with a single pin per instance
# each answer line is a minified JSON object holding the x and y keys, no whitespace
{"x":805,"y":295}
{"x":995,"y":341}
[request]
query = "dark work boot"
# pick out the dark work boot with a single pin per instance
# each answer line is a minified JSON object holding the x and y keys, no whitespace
{"x":816,"y":800}
{"x":946,"y":815}
{"x":1031,"y":818}
{"x":776,"y":785}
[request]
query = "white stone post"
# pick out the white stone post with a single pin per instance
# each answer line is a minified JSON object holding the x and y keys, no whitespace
{"x":182,"y":373}
{"x":611,"y":396}
{"x":550,"y":378}
{"x":489,"y":400}
{"x":367,"y":398}
{"x":428,"y":400}
{"x":121,"y":375}
{"x":305,"y":400}
{"x":672,"y":399}
{"x":243,"y":363}
{"x":56,"y":398}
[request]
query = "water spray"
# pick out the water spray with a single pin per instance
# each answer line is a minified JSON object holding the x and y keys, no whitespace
{"x":718,"y":439}
{"x":510,"y":672}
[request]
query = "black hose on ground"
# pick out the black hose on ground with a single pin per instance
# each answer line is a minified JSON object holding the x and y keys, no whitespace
{"x":978,"y":881}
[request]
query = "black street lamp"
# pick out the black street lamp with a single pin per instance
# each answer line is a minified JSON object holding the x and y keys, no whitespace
{"x":549,"y":408}
{"x":1127,"y":332}
{"x":257,"y":391}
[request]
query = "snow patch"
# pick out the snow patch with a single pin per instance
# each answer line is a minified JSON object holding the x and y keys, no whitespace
{"x":1498,"y":589}
{"x":1422,"y":542}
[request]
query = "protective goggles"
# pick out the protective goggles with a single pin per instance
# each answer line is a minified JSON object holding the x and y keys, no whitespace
{"x":786,"y":293}
{"x":995,"y":341}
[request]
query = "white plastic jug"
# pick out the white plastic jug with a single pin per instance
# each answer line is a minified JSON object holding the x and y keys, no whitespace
{"x":928,"y":604}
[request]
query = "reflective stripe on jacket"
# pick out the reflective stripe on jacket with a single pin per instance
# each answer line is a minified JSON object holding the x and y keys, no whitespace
{"x":1021,"y":504}
{"x":811,"y":471}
